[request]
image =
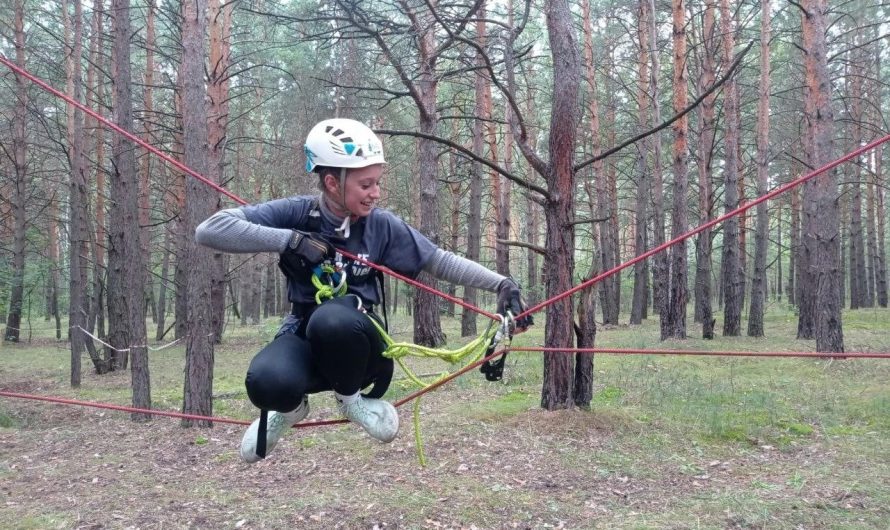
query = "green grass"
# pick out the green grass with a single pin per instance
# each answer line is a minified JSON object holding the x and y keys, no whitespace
{"x":654,"y":419}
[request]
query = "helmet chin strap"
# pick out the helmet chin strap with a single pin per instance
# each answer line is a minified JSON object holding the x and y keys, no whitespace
{"x":340,"y":203}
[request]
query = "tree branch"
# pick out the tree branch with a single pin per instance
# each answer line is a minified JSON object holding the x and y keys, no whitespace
{"x":729,"y":73}
{"x":536,"y":248}
{"x":469,"y":154}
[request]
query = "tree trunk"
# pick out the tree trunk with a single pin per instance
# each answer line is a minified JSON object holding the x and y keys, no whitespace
{"x":99,"y":64}
{"x":20,"y":185}
{"x":219,"y":18}
{"x":733,"y":280}
{"x":707,"y":120}
{"x":794,"y":246}
{"x":881,"y":258}
{"x":660,"y":263}
{"x":609,"y":289}
{"x":761,"y":236}
{"x":559,"y":208}
{"x":183,"y":237}
{"x":162,"y":285}
{"x":427,"y":325}
{"x":586,"y":338}
{"x":145,"y":228}
{"x":820,"y":195}
{"x":639,"y":301}
{"x":454,"y":228}
{"x":474,"y":220}
{"x":200,"y":201}
{"x":55,"y":272}
{"x":858,"y":282}
{"x":880,"y":261}
{"x":532,"y":289}
{"x":870,"y":235}
{"x":126,"y":267}
{"x":674,"y":323}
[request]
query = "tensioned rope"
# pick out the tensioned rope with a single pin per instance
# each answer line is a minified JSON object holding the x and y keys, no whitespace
{"x":704,"y":226}
{"x":182,"y":167}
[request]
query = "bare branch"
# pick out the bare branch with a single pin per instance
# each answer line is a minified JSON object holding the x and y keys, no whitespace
{"x":536,"y":248}
{"x":729,"y":73}
{"x":469,"y":154}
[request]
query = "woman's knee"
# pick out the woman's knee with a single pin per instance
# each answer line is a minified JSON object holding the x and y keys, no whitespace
{"x":276,"y":378}
{"x":333,"y":321}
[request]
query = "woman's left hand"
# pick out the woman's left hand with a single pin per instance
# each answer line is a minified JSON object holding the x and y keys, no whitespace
{"x":510,"y":299}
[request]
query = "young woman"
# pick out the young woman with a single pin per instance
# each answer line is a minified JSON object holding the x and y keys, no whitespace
{"x":334,"y":345}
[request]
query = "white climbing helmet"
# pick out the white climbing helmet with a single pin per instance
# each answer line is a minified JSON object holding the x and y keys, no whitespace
{"x":342,"y":143}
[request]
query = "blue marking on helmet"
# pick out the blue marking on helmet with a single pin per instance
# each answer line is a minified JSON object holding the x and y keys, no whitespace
{"x":349,"y":148}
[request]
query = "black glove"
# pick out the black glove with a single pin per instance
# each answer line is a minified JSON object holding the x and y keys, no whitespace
{"x":510,"y":299}
{"x":311,"y":247}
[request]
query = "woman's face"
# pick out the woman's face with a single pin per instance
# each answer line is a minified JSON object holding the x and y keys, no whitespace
{"x":362,"y":190}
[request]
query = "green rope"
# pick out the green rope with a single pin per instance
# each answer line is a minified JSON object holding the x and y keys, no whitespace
{"x":328,"y":290}
{"x":474,"y":350}
{"x":397,"y":351}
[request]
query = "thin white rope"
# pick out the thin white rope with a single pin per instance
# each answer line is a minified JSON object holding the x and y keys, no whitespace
{"x":97,"y":339}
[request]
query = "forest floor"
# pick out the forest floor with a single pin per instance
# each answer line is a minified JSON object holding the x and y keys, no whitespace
{"x":670,"y":442}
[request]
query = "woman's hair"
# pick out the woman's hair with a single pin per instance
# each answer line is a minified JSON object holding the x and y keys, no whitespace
{"x":321,"y":171}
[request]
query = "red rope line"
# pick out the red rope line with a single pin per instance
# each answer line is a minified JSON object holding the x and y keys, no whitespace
{"x":745,"y":207}
{"x":121,"y":408}
{"x":420,"y":286}
{"x":120,"y":130}
{"x":643,"y":351}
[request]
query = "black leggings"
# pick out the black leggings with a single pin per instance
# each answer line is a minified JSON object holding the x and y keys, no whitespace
{"x":340,"y":351}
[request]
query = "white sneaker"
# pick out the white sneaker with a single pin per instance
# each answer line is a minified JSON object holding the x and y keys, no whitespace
{"x":379,"y":418}
{"x":276,"y":424}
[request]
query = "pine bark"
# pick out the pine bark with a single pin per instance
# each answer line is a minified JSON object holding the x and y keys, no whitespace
{"x":881,"y":216}
{"x":427,"y":324}
{"x":761,"y":235}
{"x":706,"y":121}
{"x":146,"y":231}
{"x":20,"y":184}
{"x":219,"y":18}
{"x":794,"y":244}
{"x":639,"y":301}
{"x":126,"y":266}
{"x":673,"y":324}
{"x":200,"y":201}
{"x":660,"y":262}
{"x":858,"y":285}
{"x":609,"y":288}
{"x":474,"y":217}
{"x":95,"y":78}
{"x":732,"y":277}
{"x":559,"y":208}
{"x":821,"y":219}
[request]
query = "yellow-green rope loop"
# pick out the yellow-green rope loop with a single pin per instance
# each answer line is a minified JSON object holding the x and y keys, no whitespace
{"x":474,"y":350}
{"x":326,"y":291}
{"x":397,"y":351}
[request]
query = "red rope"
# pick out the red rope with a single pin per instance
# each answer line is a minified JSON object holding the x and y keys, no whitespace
{"x":745,"y":207}
{"x":121,"y":408}
{"x":641,"y":351}
{"x":120,"y":130}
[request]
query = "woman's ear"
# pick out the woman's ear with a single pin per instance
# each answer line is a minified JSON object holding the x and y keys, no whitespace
{"x":331,"y":183}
